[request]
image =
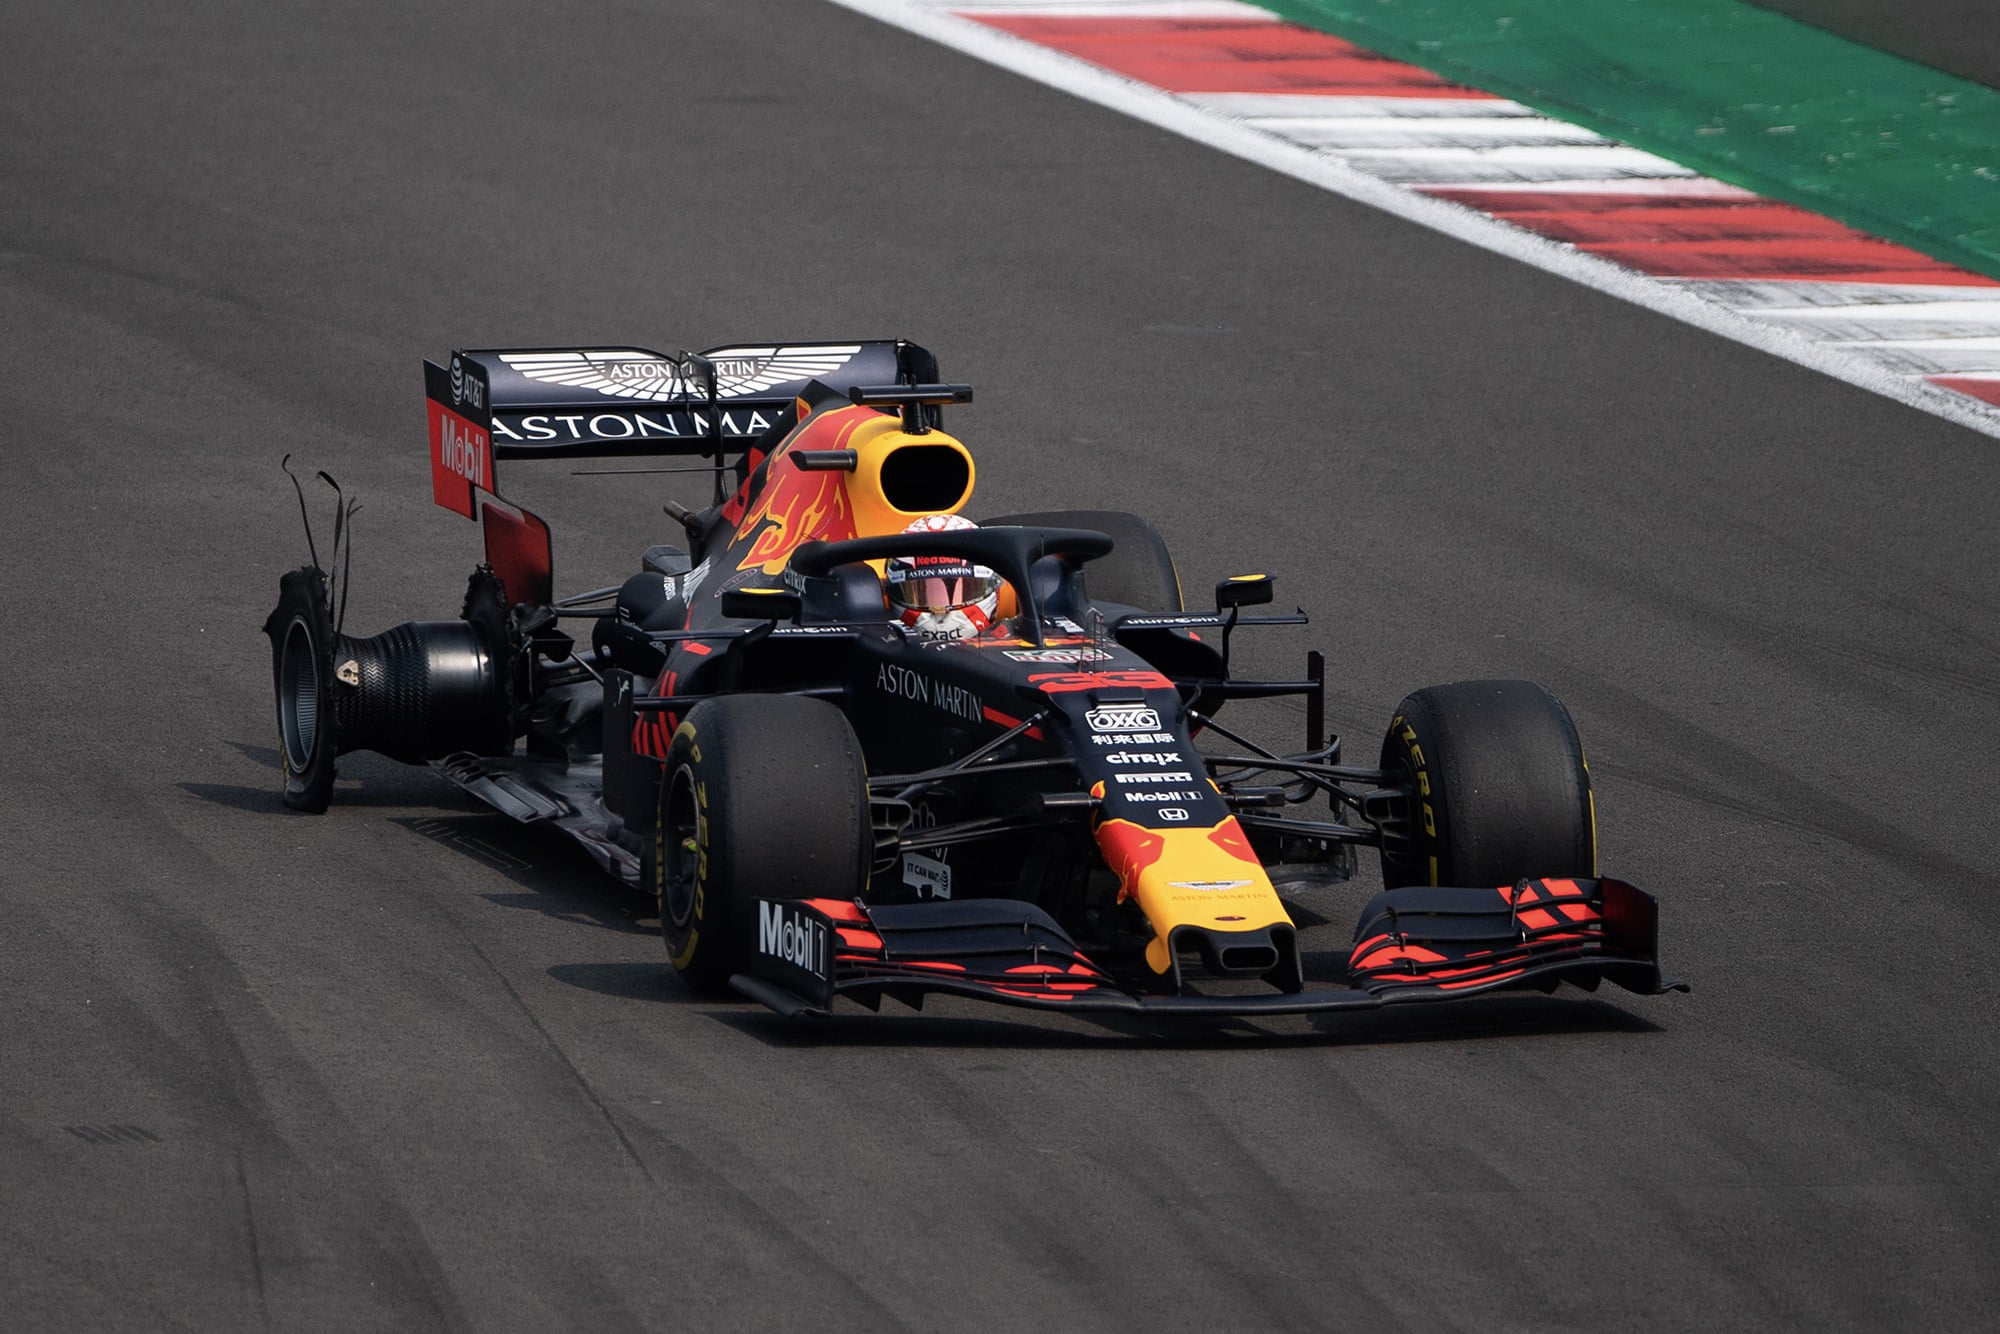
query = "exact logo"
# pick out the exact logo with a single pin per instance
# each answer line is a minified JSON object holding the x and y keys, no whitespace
{"x":1122,"y":718}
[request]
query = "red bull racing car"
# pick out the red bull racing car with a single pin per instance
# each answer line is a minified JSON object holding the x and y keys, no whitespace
{"x":856,"y":745}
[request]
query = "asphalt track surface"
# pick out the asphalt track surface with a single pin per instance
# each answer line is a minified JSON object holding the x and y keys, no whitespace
{"x":410,"y":1066}
{"x":1957,"y":36}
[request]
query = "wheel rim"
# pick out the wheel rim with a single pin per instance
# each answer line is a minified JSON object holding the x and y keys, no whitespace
{"x":679,"y":837}
{"x":298,"y":695}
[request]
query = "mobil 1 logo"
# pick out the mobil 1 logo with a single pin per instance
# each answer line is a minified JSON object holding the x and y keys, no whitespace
{"x":794,"y":948}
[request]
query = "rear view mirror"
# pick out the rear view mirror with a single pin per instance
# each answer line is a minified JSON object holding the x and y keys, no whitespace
{"x":1243,"y":590}
{"x":761,"y":604}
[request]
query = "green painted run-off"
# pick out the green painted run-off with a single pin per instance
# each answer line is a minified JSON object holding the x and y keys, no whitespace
{"x":1735,"y":92}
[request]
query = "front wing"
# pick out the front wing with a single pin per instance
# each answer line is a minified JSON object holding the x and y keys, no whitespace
{"x":1421,"y":943}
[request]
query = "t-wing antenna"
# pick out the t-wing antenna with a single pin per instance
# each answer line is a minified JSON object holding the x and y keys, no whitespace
{"x":703,"y":371}
{"x":912,"y":399}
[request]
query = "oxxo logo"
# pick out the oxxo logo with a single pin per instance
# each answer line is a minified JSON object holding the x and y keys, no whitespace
{"x":1122,"y":718}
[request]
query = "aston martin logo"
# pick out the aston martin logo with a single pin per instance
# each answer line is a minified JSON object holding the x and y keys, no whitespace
{"x":630,"y":373}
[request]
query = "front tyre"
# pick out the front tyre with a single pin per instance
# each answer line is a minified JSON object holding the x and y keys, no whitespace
{"x":301,"y":632}
{"x":764,"y":796}
{"x":1499,"y":791}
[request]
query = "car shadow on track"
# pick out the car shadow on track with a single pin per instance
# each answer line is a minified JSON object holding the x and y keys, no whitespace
{"x":650,"y":980}
{"x":364,"y":782}
{"x":950,"y":1022}
{"x":251,"y":800}
{"x":264,"y":755}
{"x":265,"y":800}
{"x":1493,"y":1018}
{"x":555,"y":877}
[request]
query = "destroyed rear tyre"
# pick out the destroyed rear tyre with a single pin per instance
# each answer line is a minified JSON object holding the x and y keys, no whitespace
{"x":300,"y":629}
{"x":764,"y":796}
{"x":1499,"y":791}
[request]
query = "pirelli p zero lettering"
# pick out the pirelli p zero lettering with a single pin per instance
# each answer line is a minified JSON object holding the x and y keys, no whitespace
{"x":1414,"y":749}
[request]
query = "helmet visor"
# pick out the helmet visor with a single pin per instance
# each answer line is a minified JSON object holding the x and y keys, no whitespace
{"x":935,"y":588}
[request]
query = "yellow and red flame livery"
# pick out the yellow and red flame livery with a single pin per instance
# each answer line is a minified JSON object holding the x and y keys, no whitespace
{"x":782,"y":505}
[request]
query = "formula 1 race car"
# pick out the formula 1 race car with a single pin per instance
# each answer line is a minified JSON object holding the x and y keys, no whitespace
{"x":855,"y":745}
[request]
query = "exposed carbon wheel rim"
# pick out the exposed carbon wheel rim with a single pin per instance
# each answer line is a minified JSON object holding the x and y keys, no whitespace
{"x":298,"y":695}
{"x":680,"y":844}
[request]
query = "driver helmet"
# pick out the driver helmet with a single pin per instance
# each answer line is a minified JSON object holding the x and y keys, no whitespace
{"x":942,"y":598}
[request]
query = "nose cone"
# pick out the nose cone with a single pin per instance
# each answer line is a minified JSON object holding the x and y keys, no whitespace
{"x":1208,"y":879}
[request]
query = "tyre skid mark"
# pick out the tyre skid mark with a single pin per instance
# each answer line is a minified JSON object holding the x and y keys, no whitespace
{"x":555,"y":1048}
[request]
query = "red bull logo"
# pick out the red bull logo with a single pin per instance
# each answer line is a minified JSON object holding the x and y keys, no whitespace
{"x":1058,"y":683}
{"x":1129,"y":850}
{"x":1229,"y":836}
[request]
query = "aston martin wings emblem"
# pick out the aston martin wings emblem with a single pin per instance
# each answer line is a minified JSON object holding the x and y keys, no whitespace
{"x":618,"y":372}
{"x":751,"y":370}
{"x":629,"y":372}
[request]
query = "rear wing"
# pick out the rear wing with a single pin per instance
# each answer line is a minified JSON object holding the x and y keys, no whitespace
{"x":558,"y":402}
{"x":565,"y":402}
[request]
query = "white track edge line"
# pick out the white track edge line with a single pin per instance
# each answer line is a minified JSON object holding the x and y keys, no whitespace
{"x":1157,"y":107}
